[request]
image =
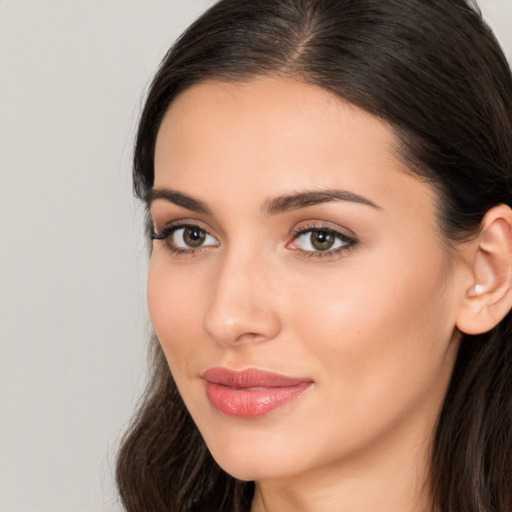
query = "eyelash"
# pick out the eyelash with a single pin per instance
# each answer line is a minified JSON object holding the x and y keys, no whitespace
{"x":167,"y":232}
{"x":348,"y":243}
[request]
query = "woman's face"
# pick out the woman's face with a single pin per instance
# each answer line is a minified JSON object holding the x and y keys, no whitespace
{"x":298,"y":283}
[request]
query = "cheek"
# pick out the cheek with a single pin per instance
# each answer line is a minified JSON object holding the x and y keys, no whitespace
{"x":175,"y":305}
{"x":378,"y":330}
{"x":379,"y":344}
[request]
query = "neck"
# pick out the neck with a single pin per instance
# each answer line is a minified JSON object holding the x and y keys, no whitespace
{"x":390,"y":476}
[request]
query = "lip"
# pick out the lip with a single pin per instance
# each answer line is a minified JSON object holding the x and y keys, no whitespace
{"x":251,"y":393}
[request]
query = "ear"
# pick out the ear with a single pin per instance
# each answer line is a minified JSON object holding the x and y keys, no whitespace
{"x":488,"y":290}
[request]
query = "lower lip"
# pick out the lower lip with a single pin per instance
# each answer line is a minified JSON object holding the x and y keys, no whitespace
{"x":251,"y":402}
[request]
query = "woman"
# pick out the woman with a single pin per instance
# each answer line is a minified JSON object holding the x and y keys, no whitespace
{"x":328,"y":186}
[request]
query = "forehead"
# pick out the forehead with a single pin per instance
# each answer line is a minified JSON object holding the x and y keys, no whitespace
{"x":268,"y":110}
{"x":270,"y":136}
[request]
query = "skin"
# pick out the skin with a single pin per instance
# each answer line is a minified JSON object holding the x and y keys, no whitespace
{"x":372,"y":325}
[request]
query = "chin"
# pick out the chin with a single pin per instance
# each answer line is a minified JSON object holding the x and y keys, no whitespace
{"x":256,"y":469}
{"x":256,"y":453}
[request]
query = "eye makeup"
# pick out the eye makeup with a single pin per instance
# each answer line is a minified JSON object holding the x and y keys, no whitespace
{"x":315,"y":240}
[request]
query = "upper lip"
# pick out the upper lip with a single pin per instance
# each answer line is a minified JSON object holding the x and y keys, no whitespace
{"x":251,"y":378}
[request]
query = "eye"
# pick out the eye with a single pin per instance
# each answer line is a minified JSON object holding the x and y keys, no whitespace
{"x":185,"y":238}
{"x":321,"y":240}
{"x":191,"y":237}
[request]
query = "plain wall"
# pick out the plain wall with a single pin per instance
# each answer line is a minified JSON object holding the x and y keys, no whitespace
{"x":72,"y":258}
{"x":73,"y":320}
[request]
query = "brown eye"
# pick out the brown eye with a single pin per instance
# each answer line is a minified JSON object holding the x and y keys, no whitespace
{"x":186,"y":238}
{"x":193,"y":236}
{"x":322,"y":240}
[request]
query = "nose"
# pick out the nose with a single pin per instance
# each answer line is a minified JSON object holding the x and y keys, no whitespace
{"x":242,"y":306}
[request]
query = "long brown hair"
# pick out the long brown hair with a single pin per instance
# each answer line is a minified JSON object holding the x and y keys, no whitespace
{"x":435,"y":72}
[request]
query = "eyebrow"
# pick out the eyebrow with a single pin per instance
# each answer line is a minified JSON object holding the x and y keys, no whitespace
{"x":305,"y":199}
{"x":273,"y":206}
{"x":178,"y":199}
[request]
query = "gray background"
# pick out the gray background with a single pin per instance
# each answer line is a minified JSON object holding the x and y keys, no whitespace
{"x":73,"y":320}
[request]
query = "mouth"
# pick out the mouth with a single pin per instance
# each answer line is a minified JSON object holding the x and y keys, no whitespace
{"x":251,"y":393}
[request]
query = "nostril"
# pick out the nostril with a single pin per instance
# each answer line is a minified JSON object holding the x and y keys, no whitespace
{"x":251,"y":337}
{"x":249,"y":326}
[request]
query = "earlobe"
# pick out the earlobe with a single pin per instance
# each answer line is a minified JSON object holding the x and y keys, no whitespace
{"x":488,"y":295}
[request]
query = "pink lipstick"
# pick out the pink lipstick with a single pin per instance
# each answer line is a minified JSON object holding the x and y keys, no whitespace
{"x":250,"y":393}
